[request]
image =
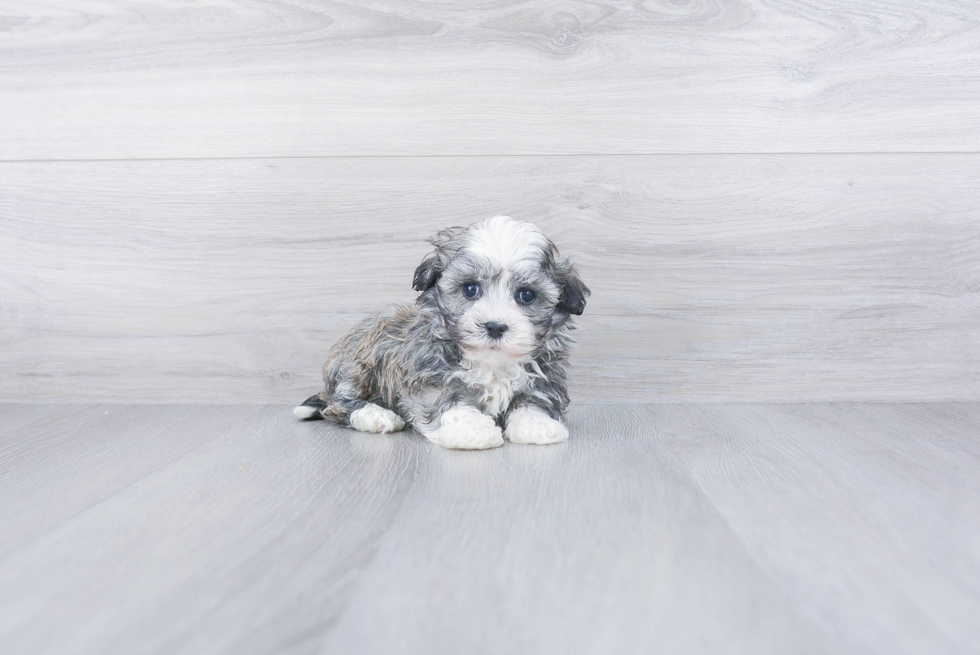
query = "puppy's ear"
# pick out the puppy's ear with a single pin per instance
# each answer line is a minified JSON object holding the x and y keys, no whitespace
{"x":447,"y":243}
{"x":573,"y":293}
{"x":427,"y":273}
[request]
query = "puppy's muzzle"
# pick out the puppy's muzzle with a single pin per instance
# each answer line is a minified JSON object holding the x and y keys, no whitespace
{"x":495,"y":330}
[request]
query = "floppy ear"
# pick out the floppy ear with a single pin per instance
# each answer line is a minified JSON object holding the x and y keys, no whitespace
{"x":447,"y":243}
{"x":573,"y":293}
{"x":427,"y":273}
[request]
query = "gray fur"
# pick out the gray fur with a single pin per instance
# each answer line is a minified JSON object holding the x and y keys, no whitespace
{"x":409,"y":358}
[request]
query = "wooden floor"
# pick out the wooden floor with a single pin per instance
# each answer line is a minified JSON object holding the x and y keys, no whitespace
{"x":842,"y":528}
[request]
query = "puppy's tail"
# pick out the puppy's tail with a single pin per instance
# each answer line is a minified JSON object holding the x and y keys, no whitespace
{"x":310,"y":409}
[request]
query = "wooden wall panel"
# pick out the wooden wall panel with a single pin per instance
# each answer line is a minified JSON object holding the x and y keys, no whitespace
{"x":237,"y":78}
{"x":735,"y":278}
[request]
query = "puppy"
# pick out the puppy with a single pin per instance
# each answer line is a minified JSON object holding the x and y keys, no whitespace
{"x":478,"y":358}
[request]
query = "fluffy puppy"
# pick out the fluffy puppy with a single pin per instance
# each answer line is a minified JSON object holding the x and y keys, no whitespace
{"x":480,"y":356}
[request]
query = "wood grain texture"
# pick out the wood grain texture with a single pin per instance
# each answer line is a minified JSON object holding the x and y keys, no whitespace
{"x":682,"y":528}
{"x":48,"y":475}
{"x":228,"y":78}
{"x":795,"y":482}
{"x":737,"y":278}
{"x":603,"y":546}
{"x":248,"y":543}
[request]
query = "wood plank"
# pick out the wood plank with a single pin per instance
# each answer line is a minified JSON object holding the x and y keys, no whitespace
{"x":248,"y":543}
{"x":866,"y":515}
{"x":236,"y":78}
{"x":15,"y":417}
{"x":682,"y":528}
{"x":742,"y":278}
{"x":600,"y":545}
{"x":53,"y":470}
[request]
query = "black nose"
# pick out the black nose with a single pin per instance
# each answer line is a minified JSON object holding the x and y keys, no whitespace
{"x":495,"y":330}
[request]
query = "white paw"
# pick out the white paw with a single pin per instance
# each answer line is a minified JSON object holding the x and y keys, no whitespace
{"x":531,"y":425}
{"x":466,"y":428}
{"x":372,"y":418}
{"x":305,"y":412}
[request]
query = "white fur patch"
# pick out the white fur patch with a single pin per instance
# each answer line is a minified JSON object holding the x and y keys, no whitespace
{"x":305,"y":411}
{"x":466,"y":428}
{"x":497,"y":305}
{"x":372,"y":418}
{"x":531,"y":425}
{"x":496,"y":377}
{"x":504,"y":241}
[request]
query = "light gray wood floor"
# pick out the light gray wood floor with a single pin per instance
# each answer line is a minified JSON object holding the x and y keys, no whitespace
{"x":669,"y":529}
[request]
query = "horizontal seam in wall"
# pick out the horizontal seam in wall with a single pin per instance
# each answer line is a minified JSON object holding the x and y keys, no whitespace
{"x":499,"y":156}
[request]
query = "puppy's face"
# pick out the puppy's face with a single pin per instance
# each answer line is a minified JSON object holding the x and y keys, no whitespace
{"x":501,"y":287}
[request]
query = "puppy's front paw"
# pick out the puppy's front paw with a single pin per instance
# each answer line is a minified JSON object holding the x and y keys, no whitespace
{"x":373,"y":418}
{"x":532,"y":426}
{"x":466,"y":428}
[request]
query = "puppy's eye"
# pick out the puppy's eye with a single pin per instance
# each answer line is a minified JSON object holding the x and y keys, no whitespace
{"x":525,"y":296}
{"x":471,"y":290}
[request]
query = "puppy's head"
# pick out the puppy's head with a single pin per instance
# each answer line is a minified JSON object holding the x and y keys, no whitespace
{"x":501,"y":287}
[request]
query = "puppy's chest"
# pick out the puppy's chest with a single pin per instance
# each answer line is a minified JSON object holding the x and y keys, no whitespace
{"x":496,"y":383}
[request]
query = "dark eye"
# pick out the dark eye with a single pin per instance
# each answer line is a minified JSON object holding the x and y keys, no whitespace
{"x":525,"y":296}
{"x":471,"y":290}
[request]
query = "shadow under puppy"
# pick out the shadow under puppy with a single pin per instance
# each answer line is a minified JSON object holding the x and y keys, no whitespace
{"x":484,"y":346}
